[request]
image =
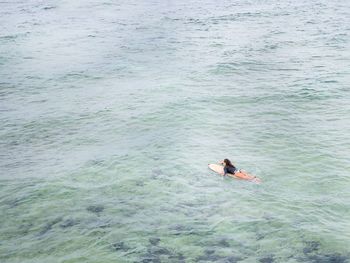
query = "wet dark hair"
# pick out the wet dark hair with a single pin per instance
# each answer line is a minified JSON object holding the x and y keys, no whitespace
{"x":228,"y":163}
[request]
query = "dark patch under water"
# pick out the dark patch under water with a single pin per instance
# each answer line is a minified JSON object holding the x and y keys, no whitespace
{"x":154,"y":241}
{"x":141,"y":184}
{"x":120,"y":246}
{"x":313,"y":254}
{"x":16,"y":202}
{"x":328,"y":258}
{"x":49,"y":225}
{"x":95,"y":208}
{"x":24,"y":229}
{"x":178,"y":257}
{"x":311,"y":246}
{"x":179,"y":229}
{"x":49,"y":7}
{"x":68,"y":223}
{"x":223,"y":243}
{"x":267,"y":259}
{"x":156,"y":253}
{"x":157,"y":250}
{"x":211,"y":256}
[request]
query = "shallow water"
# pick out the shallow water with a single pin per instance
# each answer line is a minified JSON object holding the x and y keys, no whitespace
{"x":110,"y":112}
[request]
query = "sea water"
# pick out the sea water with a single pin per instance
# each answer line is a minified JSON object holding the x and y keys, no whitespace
{"x":111,"y":110}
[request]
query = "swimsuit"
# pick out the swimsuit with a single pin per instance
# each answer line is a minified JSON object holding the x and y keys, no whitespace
{"x":230,"y":170}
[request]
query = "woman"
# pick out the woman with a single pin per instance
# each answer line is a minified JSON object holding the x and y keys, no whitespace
{"x":231,"y":170}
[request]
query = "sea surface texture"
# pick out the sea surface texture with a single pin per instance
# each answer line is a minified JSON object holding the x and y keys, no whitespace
{"x":110,"y":112}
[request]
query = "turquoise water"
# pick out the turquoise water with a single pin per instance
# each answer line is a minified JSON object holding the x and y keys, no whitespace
{"x":110,"y":112}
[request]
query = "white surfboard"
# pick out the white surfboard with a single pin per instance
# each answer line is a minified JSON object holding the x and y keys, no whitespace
{"x":219,"y":169}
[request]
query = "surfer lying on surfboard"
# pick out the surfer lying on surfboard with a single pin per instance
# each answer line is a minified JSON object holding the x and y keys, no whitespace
{"x":228,"y":169}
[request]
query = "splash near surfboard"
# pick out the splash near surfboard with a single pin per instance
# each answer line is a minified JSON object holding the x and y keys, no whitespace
{"x":219,"y":169}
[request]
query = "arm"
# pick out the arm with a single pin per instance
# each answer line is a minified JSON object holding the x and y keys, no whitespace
{"x":225,"y":171}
